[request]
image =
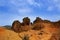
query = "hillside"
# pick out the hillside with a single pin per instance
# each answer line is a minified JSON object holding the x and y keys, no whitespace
{"x":38,"y":30}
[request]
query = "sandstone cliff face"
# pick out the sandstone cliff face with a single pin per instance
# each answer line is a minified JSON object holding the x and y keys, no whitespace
{"x":26,"y":21}
{"x":38,"y":30}
{"x":16,"y":26}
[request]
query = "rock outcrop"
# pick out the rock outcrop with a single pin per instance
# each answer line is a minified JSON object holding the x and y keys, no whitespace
{"x":37,"y":30}
{"x":37,"y":20}
{"x":26,"y":21}
{"x":16,"y":26}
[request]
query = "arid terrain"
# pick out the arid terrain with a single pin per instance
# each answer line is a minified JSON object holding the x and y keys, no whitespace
{"x":37,"y":30}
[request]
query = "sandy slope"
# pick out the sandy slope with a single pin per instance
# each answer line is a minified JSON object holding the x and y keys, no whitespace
{"x":44,"y":34}
{"x":36,"y":35}
{"x":32,"y":35}
{"x":8,"y":35}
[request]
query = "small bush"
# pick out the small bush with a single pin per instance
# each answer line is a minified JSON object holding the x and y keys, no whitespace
{"x":25,"y":37}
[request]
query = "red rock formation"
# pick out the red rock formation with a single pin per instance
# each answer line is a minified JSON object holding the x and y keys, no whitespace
{"x":16,"y":26}
{"x":56,"y":24}
{"x":26,"y":21}
{"x":37,"y":20}
{"x":37,"y":26}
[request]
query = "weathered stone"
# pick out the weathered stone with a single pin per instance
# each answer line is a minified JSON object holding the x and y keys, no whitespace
{"x":26,"y":21}
{"x":16,"y":26}
{"x":38,"y":26}
{"x":37,"y":20}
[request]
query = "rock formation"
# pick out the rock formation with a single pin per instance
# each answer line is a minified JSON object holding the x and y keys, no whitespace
{"x":47,"y":21}
{"x":38,"y":30}
{"x":56,"y":24}
{"x":37,"y":20}
{"x":26,"y":21}
{"x":26,"y":24}
{"x":16,"y":26}
{"x":38,"y":26}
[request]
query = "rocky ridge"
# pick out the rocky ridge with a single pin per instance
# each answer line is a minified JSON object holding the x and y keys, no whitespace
{"x":38,"y":30}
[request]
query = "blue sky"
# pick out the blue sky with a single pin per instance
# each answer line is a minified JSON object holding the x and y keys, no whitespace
{"x":11,"y":10}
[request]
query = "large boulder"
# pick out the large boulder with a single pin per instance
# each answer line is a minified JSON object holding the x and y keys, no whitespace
{"x":16,"y":26}
{"x":26,"y":21}
{"x":37,"y":20}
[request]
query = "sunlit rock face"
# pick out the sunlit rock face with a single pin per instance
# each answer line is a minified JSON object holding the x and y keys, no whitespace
{"x":38,"y":30}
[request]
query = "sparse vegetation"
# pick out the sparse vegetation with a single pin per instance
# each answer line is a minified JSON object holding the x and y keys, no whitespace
{"x":7,"y":27}
{"x":25,"y":37}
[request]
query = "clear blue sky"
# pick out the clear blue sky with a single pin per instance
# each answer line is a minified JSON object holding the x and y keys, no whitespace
{"x":11,"y":10}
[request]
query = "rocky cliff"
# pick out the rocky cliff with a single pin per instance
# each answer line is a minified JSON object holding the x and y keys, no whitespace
{"x":37,"y":30}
